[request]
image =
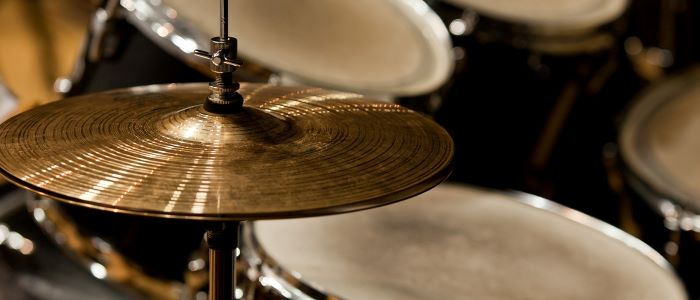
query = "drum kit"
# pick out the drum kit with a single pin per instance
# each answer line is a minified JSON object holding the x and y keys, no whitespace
{"x":294,"y":186}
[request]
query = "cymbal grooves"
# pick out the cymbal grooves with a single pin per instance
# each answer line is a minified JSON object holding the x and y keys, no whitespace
{"x":291,"y":152}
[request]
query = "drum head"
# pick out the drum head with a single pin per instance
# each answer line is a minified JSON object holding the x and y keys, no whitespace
{"x":660,"y":139}
{"x":552,"y":15}
{"x":455,"y":242}
{"x":397,"y":47}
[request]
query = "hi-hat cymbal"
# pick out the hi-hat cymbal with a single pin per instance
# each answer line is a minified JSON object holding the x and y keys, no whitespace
{"x":290,"y":152}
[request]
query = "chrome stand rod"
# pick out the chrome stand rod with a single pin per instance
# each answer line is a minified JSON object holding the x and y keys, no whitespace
{"x":223,"y":13}
{"x":222,"y":245}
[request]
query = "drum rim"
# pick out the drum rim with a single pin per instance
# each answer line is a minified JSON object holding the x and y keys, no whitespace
{"x":614,"y":10}
{"x":291,"y":279}
{"x":635,"y":119}
{"x":148,"y":18}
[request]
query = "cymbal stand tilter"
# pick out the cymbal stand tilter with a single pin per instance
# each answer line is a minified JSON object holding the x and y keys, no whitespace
{"x":223,"y":99}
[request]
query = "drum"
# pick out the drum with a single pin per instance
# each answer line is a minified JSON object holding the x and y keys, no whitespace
{"x":32,"y":267}
{"x":116,"y":54}
{"x":383,"y":48}
{"x":454,"y":242}
{"x":149,"y":257}
{"x":535,"y":80}
{"x":554,"y":27}
{"x":374,"y":47}
{"x":659,"y":147}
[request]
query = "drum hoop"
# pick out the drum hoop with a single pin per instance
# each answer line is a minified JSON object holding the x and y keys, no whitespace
{"x":269,"y":267}
{"x":616,"y":9}
{"x":635,"y":118}
{"x":550,"y":41}
{"x":149,"y":19}
{"x":659,"y":203}
{"x":595,"y":224}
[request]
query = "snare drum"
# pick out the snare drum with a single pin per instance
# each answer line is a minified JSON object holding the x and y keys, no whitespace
{"x":454,"y":242}
{"x":659,"y":146}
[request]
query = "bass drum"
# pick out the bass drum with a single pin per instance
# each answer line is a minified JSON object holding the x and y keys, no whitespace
{"x":454,"y":242}
{"x":659,"y":146}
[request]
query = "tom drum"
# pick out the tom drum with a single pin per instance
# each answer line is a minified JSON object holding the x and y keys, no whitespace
{"x":455,"y":242}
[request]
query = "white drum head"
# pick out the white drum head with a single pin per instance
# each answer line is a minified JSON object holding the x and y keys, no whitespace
{"x":398,"y":47}
{"x":455,"y":242}
{"x":558,"y":15}
{"x":660,"y":139}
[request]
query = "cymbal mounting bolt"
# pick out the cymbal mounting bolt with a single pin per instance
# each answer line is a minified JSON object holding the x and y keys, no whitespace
{"x":224,"y":98}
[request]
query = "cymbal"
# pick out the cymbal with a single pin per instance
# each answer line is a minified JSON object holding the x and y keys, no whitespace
{"x":290,"y":152}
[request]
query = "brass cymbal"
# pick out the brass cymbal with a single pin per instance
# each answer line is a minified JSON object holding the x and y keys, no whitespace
{"x":291,"y":152}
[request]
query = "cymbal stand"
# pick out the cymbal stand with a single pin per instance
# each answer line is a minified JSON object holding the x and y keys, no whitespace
{"x":223,"y":99}
{"x":222,"y":243}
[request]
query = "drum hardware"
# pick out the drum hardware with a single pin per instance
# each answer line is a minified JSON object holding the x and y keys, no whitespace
{"x":651,"y":62}
{"x":12,"y":240}
{"x":661,"y":39}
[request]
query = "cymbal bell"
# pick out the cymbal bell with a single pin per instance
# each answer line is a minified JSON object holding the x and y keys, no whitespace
{"x":290,"y":152}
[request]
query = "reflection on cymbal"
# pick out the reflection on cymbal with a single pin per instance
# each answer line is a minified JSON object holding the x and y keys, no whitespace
{"x":290,"y":152}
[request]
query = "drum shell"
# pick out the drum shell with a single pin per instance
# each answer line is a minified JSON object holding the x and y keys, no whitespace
{"x":45,"y":271}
